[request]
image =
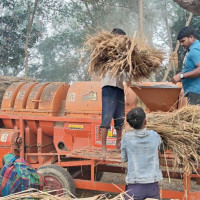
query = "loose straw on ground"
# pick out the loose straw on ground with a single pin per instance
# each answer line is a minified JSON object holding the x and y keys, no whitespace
{"x":121,"y":54}
{"x":40,"y":195}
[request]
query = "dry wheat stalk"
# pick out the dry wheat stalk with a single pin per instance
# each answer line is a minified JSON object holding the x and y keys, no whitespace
{"x":121,"y":54}
{"x":180,"y":132}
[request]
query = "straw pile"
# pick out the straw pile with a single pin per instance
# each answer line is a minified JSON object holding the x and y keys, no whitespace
{"x":180,"y":132}
{"x":121,"y":54}
{"x":36,"y":194}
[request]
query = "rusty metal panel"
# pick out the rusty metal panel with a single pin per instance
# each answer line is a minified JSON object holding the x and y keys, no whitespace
{"x":34,"y":96}
{"x":84,"y":97}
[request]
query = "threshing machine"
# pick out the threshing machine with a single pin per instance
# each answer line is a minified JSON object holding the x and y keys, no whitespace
{"x":55,"y":127}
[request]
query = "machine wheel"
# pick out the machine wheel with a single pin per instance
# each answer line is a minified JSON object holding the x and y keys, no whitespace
{"x":57,"y":179}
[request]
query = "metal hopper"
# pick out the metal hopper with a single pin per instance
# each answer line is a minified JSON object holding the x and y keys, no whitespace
{"x":158,"y":96}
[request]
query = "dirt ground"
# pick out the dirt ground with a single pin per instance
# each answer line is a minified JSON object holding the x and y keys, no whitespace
{"x":115,"y":178}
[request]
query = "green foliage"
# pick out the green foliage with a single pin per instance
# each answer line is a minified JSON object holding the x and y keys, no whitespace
{"x":60,"y":50}
{"x":61,"y":27}
{"x":13,"y":26}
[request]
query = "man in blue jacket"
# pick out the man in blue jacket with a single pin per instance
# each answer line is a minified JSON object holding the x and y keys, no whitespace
{"x":190,"y":75}
{"x":139,"y":148}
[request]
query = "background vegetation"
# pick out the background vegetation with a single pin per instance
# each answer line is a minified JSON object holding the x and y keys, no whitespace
{"x":60,"y":28}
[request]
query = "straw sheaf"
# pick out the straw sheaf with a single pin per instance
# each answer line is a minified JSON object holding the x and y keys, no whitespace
{"x":173,"y":59}
{"x":180,"y":132}
{"x":121,"y":54}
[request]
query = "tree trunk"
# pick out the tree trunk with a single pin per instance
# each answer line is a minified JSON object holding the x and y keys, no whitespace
{"x":190,"y":5}
{"x":170,"y":40}
{"x":140,"y":18}
{"x":30,"y":22}
{"x":89,"y":13}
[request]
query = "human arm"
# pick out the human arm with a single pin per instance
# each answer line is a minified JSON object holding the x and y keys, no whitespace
{"x":193,"y":57}
{"x":176,"y":78}
{"x":123,"y":150}
{"x":193,"y":74}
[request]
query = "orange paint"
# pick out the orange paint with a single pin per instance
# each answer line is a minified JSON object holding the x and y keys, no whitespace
{"x":59,"y":124}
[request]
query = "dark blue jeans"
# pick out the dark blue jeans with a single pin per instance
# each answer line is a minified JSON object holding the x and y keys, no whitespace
{"x":193,"y":98}
{"x":112,"y":107}
{"x":142,"y":191}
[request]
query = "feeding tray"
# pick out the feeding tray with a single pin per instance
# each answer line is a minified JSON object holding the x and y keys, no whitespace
{"x":158,"y":96}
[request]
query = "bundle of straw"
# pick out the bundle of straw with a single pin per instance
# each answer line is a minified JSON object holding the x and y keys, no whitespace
{"x":121,"y":54}
{"x":173,"y":59}
{"x":180,"y":132}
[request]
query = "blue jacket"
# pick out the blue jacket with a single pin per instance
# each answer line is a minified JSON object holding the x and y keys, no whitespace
{"x":140,"y":149}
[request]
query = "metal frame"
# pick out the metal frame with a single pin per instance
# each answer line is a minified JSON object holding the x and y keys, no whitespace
{"x":95,"y":163}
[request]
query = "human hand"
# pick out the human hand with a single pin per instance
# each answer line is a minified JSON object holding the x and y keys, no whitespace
{"x":176,"y":78}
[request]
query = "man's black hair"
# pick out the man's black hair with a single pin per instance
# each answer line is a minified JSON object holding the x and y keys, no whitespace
{"x":118,"y":31}
{"x":136,"y":117}
{"x":186,"y":32}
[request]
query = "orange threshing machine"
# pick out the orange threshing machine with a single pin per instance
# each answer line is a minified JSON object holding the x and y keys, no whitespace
{"x":55,"y":127}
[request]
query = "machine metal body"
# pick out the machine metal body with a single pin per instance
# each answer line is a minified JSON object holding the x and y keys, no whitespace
{"x":54,"y":123}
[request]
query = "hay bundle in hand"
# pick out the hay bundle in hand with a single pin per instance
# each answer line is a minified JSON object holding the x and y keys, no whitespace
{"x":121,"y":54}
{"x":180,"y":132}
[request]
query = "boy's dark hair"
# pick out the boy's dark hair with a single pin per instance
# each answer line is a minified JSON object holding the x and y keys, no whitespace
{"x":186,"y":32}
{"x":136,"y":117}
{"x":118,"y":31}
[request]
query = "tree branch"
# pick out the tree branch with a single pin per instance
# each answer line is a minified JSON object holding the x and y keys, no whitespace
{"x":190,"y":5}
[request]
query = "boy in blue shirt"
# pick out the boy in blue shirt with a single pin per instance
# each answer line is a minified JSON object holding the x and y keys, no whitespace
{"x":139,"y":148}
{"x":190,"y":75}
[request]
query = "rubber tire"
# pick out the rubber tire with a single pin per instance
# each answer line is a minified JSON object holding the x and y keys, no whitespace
{"x":61,"y":174}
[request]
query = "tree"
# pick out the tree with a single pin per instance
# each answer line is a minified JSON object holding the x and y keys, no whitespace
{"x":13,"y":25}
{"x":59,"y":51}
{"x":30,"y":23}
{"x":60,"y":28}
{"x":190,"y":5}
